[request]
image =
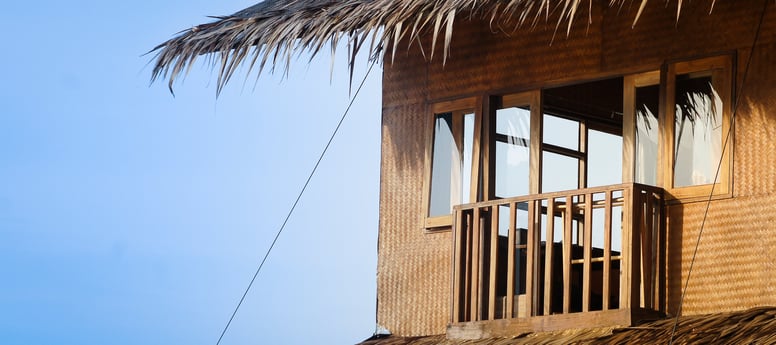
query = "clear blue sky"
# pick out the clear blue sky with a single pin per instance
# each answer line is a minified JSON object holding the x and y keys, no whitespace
{"x":129,"y":216}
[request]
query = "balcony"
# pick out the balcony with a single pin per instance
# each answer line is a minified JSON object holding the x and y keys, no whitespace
{"x":574,"y":259}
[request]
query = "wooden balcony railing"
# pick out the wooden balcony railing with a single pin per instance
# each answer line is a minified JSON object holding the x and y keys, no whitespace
{"x":579,"y":251}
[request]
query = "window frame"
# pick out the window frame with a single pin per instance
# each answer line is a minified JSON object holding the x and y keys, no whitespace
{"x":532,"y":99}
{"x":721,"y":68}
{"x":459,"y":107}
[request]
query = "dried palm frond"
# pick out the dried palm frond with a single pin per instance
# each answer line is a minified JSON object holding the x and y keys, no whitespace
{"x":271,"y":32}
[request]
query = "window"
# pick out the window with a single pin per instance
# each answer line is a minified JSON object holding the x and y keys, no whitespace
{"x":515,"y":128}
{"x":681,"y":147}
{"x":700,"y":92}
{"x":582,"y":135}
{"x":661,"y":128}
{"x":451,"y":161}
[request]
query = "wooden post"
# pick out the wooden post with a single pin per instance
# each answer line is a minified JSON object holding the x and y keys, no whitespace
{"x":607,"y":249}
{"x":587,"y":244}
{"x":511,"y":262}
{"x":548,"y":247}
{"x":567,"y":221}
{"x":458,"y":230}
{"x":626,"y":279}
{"x":493,"y":262}
{"x":530,"y":262}
{"x":475,"y":276}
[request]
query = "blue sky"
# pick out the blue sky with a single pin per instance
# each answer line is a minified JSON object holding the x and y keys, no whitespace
{"x":129,"y":216}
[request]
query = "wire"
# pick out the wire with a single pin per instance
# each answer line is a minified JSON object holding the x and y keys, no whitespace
{"x":716,"y":176}
{"x":299,"y":197}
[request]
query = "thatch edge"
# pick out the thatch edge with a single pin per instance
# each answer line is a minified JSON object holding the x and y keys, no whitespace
{"x":271,"y":32}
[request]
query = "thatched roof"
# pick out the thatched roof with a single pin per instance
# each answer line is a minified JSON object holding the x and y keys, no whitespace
{"x":272,"y":31}
{"x":753,"y":326}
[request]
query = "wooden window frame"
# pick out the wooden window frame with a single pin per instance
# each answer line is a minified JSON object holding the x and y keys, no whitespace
{"x":630,"y":83}
{"x":457,"y":107}
{"x":721,"y":67}
{"x":722,"y":73}
{"x":532,"y":99}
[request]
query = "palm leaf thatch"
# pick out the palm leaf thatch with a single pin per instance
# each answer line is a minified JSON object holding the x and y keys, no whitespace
{"x":753,"y":326}
{"x":272,"y":31}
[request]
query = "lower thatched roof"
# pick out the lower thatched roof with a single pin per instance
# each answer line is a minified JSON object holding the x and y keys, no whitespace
{"x":271,"y":32}
{"x":753,"y":326}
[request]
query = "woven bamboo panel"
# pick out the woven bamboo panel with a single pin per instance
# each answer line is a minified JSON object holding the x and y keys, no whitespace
{"x":733,"y":269}
{"x":413,"y":267}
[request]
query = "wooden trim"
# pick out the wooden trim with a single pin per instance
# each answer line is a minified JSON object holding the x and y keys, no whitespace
{"x":535,"y":153}
{"x":474,"y":185}
{"x":488,"y":131}
{"x":469,"y":103}
{"x":582,"y":163}
{"x":549,"y":323}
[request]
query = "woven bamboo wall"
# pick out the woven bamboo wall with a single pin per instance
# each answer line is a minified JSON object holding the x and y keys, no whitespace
{"x":734,"y":267}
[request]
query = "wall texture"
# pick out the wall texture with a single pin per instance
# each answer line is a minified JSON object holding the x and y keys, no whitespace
{"x":734,"y":267}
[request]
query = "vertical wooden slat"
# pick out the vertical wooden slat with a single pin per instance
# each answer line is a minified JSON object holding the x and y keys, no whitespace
{"x":466,"y":296}
{"x":607,"y":249}
{"x":567,"y":221}
{"x":548,"y":266}
{"x":588,"y":243}
{"x":639,"y":227}
{"x":475,"y":262}
{"x":529,"y":262}
{"x":625,"y":261}
{"x":510,"y":303}
{"x":635,"y":249}
{"x":493,"y":262}
{"x":458,"y":230}
{"x":646,"y":249}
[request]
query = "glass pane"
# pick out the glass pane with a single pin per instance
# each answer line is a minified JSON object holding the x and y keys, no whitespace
{"x":513,"y":121}
{"x":512,"y":153}
{"x":698,"y":134}
{"x":445,"y":157}
{"x":647,"y":102}
{"x":604,"y":159}
{"x":559,"y":172}
{"x":468,"y":147}
{"x":561,"y":132}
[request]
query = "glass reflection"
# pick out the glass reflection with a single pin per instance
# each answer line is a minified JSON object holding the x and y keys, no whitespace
{"x":698,"y":131}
